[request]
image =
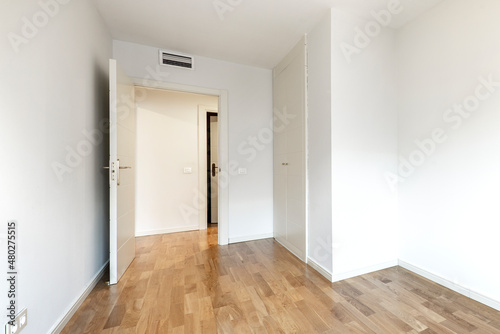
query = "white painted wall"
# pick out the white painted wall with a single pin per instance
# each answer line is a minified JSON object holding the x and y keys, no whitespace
{"x":449,"y":210}
{"x":319,"y":150}
{"x":250,"y":111}
{"x":52,"y":91}
{"x":352,"y":217}
{"x":364,"y":146}
{"x":167,"y":141}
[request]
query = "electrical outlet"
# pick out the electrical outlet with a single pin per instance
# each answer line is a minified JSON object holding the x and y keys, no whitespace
{"x":19,"y":324}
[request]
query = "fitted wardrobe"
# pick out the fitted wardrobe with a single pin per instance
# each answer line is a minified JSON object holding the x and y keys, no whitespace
{"x":289,"y":85}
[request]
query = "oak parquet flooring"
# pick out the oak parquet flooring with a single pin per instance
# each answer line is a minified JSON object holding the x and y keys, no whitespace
{"x":186,"y":283}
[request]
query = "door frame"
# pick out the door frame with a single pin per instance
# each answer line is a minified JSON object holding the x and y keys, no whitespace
{"x":203,"y":163}
{"x":208,"y":176}
{"x":222,"y":94}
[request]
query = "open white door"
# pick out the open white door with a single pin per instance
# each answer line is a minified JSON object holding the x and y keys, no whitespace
{"x":122,"y":113}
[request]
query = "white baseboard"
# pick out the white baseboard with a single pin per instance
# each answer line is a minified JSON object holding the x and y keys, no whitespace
{"x":485,"y":300}
{"x":319,"y":268}
{"x":250,"y":238}
{"x":451,"y":285}
{"x":363,"y":271}
{"x":291,"y":248}
{"x":167,"y":231}
{"x":63,"y":321}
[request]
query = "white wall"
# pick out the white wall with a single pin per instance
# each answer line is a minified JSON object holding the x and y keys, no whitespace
{"x":352,"y":126}
{"x":167,"y":141}
{"x":52,"y":90}
{"x":364,"y":146}
{"x":250,"y":111}
{"x":449,"y":210}
{"x":319,"y":144}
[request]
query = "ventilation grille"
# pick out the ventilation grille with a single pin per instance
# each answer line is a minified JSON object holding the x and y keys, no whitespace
{"x":176,"y":60}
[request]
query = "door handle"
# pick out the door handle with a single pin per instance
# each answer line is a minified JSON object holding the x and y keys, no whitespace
{"x":121,"y":167}
{"x":214,"y":169}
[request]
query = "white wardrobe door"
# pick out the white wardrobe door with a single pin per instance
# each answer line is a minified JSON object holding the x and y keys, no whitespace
{"x":289,"y":152}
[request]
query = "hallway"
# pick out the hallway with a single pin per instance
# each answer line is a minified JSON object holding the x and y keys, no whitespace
{"x":186,"y":283}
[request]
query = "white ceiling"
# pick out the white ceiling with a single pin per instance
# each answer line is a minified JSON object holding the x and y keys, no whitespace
{"x":255,"y":32}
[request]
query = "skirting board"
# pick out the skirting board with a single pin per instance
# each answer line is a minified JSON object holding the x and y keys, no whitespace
{"x":250,"y":238}
{"x":363,"y":271}
{"x":319,"y":269}
{"x":59,"y":326}
{"x":292,"y":249}
{"x":167,"y":231}
{"x":451,"y":285}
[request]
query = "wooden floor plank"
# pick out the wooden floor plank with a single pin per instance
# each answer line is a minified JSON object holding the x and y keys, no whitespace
{"x":186,"y":283}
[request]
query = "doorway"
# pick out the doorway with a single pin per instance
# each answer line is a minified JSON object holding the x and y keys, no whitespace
{"x":223,"y":126}
{"x":169,"y":198}
{"x":212,"y":168}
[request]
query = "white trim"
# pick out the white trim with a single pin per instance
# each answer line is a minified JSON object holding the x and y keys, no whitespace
{"x":224,"y":165}
{"x":175,"y":87}
{"x":363,"y":271}
{"x":320,"y":269}
{"x":451,"y":285}
{"x":485,"y":300}
{"x":306,"y":142}
{"x":291,"y":248}
{"x":167,"y":231}
{"x":250,"y":238}
{"x":223,"y":141}
{"x":202,"y":166}
{"x":435,"y":278}
{"x":63,"y":321}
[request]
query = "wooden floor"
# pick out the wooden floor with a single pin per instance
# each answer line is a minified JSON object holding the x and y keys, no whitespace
{"x":186,"y":283}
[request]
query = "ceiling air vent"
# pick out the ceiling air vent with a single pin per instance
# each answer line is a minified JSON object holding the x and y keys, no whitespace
{"x":176,"y":60}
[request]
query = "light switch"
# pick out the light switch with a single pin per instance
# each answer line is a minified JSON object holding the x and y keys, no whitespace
{"x":188,"y":170}
{"x":242,"y":171}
